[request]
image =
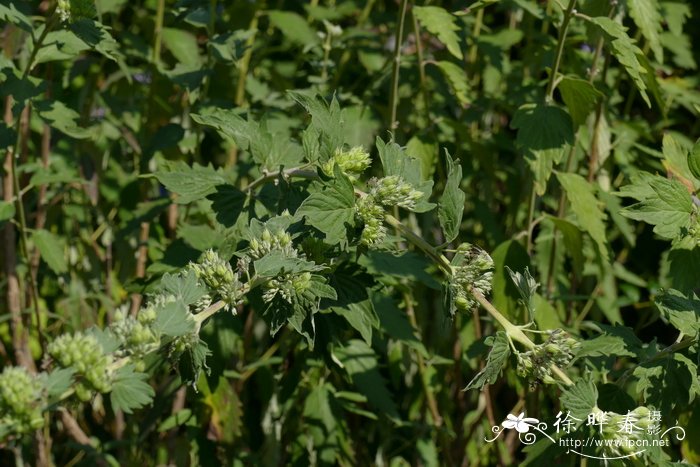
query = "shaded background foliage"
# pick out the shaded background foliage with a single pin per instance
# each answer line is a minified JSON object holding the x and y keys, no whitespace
{"x":110,"y":107}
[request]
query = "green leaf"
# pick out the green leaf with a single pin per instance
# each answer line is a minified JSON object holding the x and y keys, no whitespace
{"x":59,"y":116}
{"x":174,"y":319}
{"x":580,"y":98}
{"x":573,"y":240}
{"x":183,"y":45}
{"x":407,"y":266}
{"x":353,"y":303}
{"x":604,"y":346}
{"x":580,"y":398}
{"x":293,"y":27}
{"x":130,"y":390}
{"x":51,"y":248}
{"x":189,"y":183}
{"x":585,"y":205}
{"x":669,"y":382}
{"x":10,"y":13}
{"x":693,"y":161}
{"x":626,"y":52}
{"x":193,"y":362}
{"x":677,"y":161}
{"x":647,"y":16}
{"x":451,"y":206}
{"x":181,"y":417}
{"x":663,"y":203}
{"x":682,"y":312}
{"x":395,"y":161}
{"x":527,"y":287}
{"x":395,"y":324}
{"x":97,"y":36}
{"x":683,"y":263}
{"x":59,"y":381}
{"x":442,"y":24}
{"x":7,"y":211}
{"x":360,"y":362}
{"x":184,"y":286}
{"x":60,"y":45}
{"x":545,"y":134}
{"x":497,"y":359}
{"x":457,"y":79}
{"x":277,"y":262}
{"x":331,"y":210}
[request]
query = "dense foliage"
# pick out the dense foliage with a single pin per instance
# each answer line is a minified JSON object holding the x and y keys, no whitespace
{"x":348,"y":232}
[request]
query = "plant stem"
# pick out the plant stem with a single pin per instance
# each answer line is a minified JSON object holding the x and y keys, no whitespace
{"x":245,"y":61}
{"x":549,"y":98}
{"x":393,"y":104}
{"x":158,"y":38}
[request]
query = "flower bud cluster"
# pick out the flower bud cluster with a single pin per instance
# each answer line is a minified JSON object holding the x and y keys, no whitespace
{"x":384,"y":192}
{"x":21,"y":400}
{"x":84,"y":354}
{"x":372,"y":215}
{"x":73,"y":10}
{"x":472,"y":270}
{"x":268,"y":242}
{"x":558,"y":349}
{"x":136,"y":335}
{"x":287,"y":286}
{"x":625,"y":429}
{"x":218,"y":276}
{"x":351,"y":162}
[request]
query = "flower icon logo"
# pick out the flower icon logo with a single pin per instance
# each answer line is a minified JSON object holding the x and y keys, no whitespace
{"x":521,"y":423}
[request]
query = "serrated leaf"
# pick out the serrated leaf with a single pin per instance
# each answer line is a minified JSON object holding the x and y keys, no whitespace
{"x":545,"y":134}
{"x":681,"y":311}
{"x":277,"y":262}
{"x":51,"y":248}
{"x":395,"y":161}
{"x":442,"y":24}
{"x":590,"y":216}
{"x":663,"y":203}
{"x":184,"y":286}
{"x":498,"y":357}
{"x":59,"y":381}
{"x":64,"y":119}
{"x":580,"y":398}
{"x":130,"y":390}
{"x":174,"y":319}
{"x":331,"y":210}
{"x":189,"y":183}
{"x":360,"y":362}
{"x":457,"y":79}
{"x":293,"y":27}
{"x":626,"y":52}
{"x":580,"y":98}
{"x":10,"y":13}
{"x":647,"y":16}
{"x":193,"y":361}
{"x":451,"y":205}
{"x":667,"y":382}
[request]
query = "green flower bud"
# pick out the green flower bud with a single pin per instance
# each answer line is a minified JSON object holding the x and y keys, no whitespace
{"x":352,"y":162}
{"x":21,"y":400}
{"x":84,"y":354}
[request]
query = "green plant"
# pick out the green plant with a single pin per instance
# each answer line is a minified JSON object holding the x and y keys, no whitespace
{"x":197,"y":272}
